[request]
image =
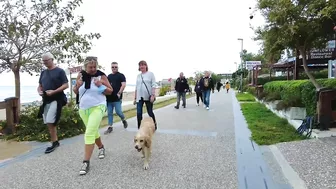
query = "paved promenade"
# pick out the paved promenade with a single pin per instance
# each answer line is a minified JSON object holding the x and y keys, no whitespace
{"x":193,"y":148}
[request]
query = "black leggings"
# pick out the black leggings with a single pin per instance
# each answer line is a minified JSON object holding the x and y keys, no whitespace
{"x":149,"y":107}
{"x":198,"y":96}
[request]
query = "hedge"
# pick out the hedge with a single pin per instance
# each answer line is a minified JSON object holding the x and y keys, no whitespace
{"x":302,"y":93}
{"x":323,"y":74}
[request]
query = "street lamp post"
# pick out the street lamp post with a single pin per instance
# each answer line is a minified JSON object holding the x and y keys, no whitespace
{"x":241,"y":64}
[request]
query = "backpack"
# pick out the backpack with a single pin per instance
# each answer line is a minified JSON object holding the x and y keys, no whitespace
{"x":206,"y":82}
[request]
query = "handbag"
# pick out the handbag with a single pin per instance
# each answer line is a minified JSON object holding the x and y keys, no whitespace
{"x":150,"y":96}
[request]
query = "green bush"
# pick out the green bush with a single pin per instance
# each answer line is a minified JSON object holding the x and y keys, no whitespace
{"x":31,"y":128}
{"x":252,"y":90}
{"x":164,"y":90}
{"x":323,"y":74}
{"x":299,"y":93}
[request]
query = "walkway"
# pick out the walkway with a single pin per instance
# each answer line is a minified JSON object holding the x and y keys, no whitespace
{"x":193,"y":148}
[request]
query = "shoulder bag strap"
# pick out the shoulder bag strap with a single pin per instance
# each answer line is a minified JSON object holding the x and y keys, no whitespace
{"x":145,"y":85}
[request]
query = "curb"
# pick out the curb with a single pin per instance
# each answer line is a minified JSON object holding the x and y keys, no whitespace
{"x":289,"y":173}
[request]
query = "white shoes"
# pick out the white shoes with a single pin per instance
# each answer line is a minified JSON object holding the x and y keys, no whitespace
{"x":207,"y":108}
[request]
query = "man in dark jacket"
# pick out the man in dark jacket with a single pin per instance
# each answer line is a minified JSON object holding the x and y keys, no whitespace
{"x":181,"y":87}
{"x":207,"y":84}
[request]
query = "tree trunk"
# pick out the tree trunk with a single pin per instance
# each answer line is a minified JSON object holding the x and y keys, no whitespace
{"x":306,"y":69}
{"x":17,"y":86}
{"x":312,"y":79}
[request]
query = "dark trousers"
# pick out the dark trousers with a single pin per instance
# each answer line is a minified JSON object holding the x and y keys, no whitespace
{"x":199,"y":96}
{"x":179,"y":95}
{"x":149,"y":107}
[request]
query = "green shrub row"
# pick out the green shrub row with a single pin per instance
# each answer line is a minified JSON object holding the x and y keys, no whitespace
{"x":299,"y":93}
{"x":323,"y":74}
{"x":31,"y":128}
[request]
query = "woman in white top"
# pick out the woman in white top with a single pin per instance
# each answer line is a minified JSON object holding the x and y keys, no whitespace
{"x":91,"y":86}
{"x":145,"y":92}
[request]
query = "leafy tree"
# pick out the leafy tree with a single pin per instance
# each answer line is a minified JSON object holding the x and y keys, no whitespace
{"x":191,"y":81}
{"x":214,"y":76}
{"x":301,"y":25}
{"x":271,"y":48}
{"x":30,"y":28}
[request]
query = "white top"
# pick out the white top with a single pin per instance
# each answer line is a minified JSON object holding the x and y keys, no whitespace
{"x":89,"y":98}
{"x":149,"y":80}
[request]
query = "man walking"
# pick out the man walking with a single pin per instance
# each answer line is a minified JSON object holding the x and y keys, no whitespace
{"x":52,"y":83}
{"x":181,"y":87}
{"x":118,"y":83}
{"x":207,"y":84}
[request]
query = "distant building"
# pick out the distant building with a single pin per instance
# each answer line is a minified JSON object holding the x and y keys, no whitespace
{"x":226,"y":75}
{"x":168,"y":82}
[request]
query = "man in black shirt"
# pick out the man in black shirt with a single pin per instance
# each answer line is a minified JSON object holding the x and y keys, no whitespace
{"x":118,"y":83}
{"x":181,"y":87}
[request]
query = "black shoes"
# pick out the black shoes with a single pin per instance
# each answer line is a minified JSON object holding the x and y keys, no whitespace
{"x":109,"y":130}
{"x":125,"y":123}
{"x":85,"y":168}
{"x":177,"y":107}
{"x":52,"y":147}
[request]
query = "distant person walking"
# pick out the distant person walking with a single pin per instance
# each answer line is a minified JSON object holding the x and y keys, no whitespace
{"x":52,"y":83}
{"x":198,"y":92}
{"x":118,"y":83}
{"x":145,"y":92}
{"x":219,"y":85}
{"x":207,"y":85}
{"x":227,"y":87}
{"x":181,"y":88}
{"x":92,"y":85}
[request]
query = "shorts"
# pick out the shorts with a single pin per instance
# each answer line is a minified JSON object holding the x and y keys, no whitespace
{"x":49,"y":112}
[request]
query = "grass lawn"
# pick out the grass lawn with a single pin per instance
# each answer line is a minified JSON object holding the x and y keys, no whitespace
{"x":132,"y":112}
{"x":245,"y":97}
{"x":266,"y":127}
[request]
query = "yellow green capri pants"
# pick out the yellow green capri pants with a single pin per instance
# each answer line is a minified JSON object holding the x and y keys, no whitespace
{"x":92,"y":118}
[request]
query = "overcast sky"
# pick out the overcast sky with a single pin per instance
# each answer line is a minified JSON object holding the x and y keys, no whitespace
{"x":173,"y":36}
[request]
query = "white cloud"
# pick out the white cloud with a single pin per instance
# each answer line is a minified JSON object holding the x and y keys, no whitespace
{"x":172,"y":36}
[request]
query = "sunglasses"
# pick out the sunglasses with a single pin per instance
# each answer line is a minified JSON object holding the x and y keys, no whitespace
{"x":91,"y":58}
{"x":114,"y":66}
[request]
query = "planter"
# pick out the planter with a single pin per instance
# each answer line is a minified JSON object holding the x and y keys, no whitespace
{"x":273,"y":104}
{"x":296,"y":113}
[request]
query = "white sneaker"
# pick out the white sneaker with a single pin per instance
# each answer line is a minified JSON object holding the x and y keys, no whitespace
{"x":197,"y":104}
{"x":207,"y":108}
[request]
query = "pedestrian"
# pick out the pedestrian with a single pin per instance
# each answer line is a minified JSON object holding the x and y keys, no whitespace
{"x":198,"y":92}
{"x":181,"y":88}
{"x":52,"y":83}
{"x":118,"y":83}
{"x":219,"y":85}
{"x":227,"y":87}
{"x":92,"y":85}
{"x":145,"y":92}
{"x":207,"y":85}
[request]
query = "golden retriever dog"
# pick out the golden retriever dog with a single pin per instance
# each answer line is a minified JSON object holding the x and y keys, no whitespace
{"x":143,"y":139}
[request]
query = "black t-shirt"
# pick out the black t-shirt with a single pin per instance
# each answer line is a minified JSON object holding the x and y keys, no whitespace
{"x":115,"y":81}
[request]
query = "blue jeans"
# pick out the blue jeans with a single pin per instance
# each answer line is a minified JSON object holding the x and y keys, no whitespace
{"x":149,"y":107}
{"x":206,"y":97}
{"x":110,"y":107}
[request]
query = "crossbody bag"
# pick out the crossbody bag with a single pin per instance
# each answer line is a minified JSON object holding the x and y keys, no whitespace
{"x":150,"y":96}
